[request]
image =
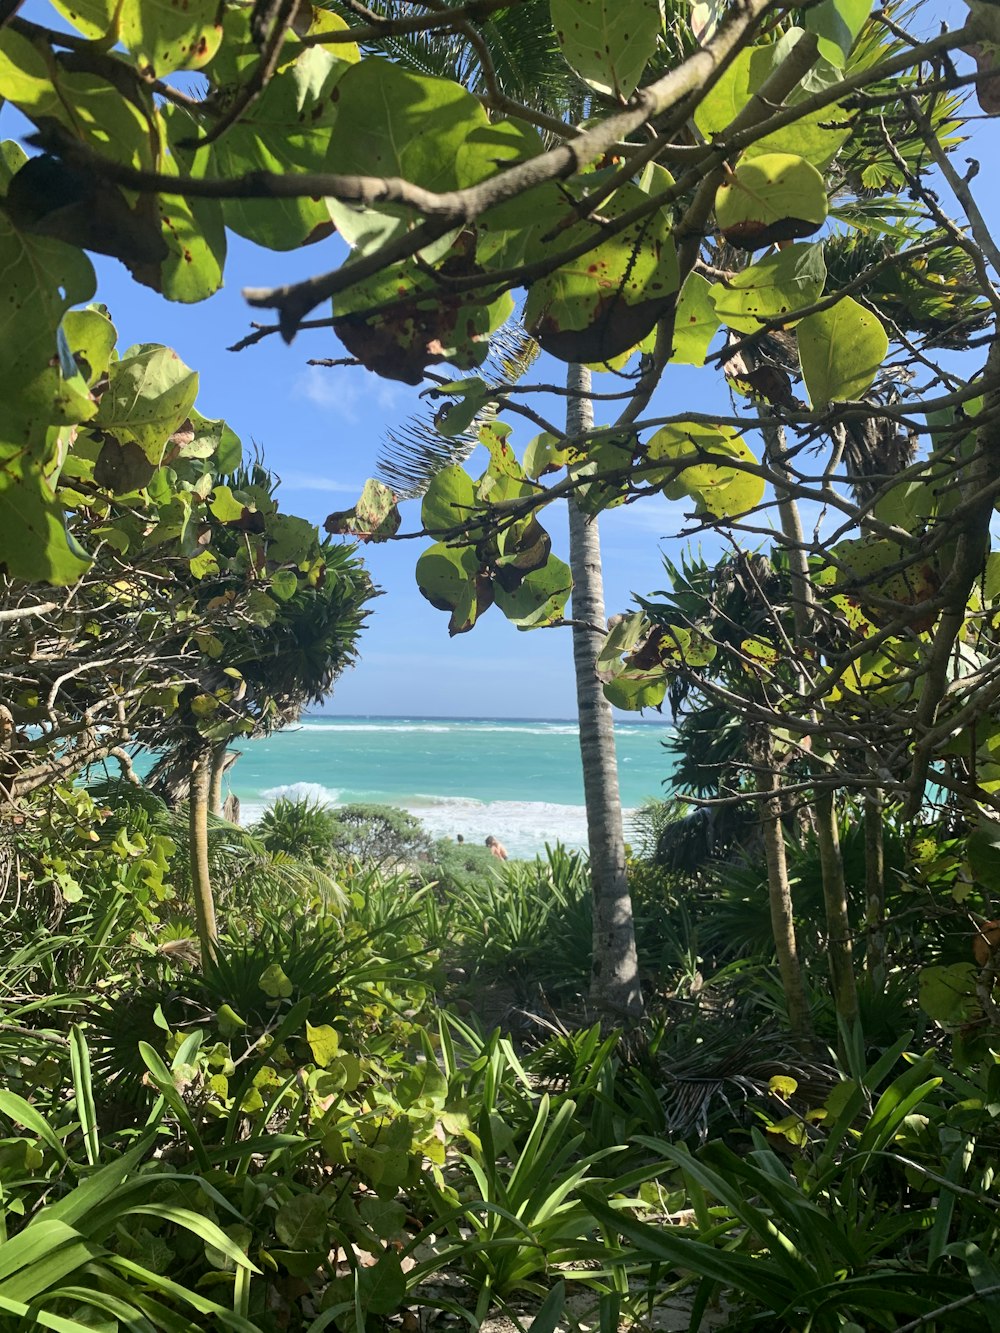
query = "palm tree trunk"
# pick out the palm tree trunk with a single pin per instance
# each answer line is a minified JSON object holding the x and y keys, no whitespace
{"x":201,"y":882}
{"x":779,"y":892}
{"x":614,"y":988}
{"x":215,"y":781}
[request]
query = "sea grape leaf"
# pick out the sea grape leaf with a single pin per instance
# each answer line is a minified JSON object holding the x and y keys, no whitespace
{"x":947,"y":992}
{"x":382,"y":1287}
{"x":632,"y":692}
{"x":818,"y":137}
{"x":91,"y":337}
{"x":91,"y":17}
{"x":374,"y":517}
{"x":301,"y":1222}
{"x":602,"y":304}
{"x":151,"y":392}
{"x":34,"y":541}
{"x":774,"y":197}
{"x":545,"y":453}
{"x":207,"y":437}
{"x":449,"y":501}
{"x":837,"y":24}
{"x":540,"y":598}
{"x":608,"y":43}
{"x":696,"y":321}
{"x":771,"y":289}
{"x":324,"y":1042}
{"x":841,"y":350}
{"x":194,"y":237}
{"x":423,"y":326}
{"x":391,"y":122}
{"x":730,"y":93}
{"x":286,"y":129}
{"x":274,"y":982}
{"x":42,"y":279}
{"x":473,"y":394}
{"x":451,"y":580}
{"x":717,"y":489}
{"x":167,"y":35}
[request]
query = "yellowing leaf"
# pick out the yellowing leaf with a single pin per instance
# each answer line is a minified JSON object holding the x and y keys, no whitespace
{"x":773,"y":197}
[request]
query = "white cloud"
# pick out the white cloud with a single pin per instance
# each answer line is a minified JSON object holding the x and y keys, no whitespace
{"x":329,"y":389}
{"x":305,"y":481}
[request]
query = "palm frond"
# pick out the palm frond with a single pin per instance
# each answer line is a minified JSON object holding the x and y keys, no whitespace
{"x":413,"y":454}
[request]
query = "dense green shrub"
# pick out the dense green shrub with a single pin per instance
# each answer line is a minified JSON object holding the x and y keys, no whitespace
{"x":379,"y":835}
{"x":305,"y":829}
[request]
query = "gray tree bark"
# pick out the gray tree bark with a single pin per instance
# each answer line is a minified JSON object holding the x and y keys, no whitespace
{"x":614,"y":989}
{"x":201,"y":879}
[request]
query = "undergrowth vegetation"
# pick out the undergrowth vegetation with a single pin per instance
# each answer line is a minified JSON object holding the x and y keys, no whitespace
{"x":383,"y":1104}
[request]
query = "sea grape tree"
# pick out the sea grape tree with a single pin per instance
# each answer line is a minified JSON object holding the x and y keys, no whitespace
{"x":761,"y":189}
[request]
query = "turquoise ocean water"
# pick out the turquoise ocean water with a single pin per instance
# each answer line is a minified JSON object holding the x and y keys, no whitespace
{"x":519,"y":780}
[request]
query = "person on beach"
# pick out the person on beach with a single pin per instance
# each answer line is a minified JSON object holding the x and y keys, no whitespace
{"x":497,"y":848}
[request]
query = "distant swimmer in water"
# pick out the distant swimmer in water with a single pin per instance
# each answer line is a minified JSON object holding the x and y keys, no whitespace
{"x":497,"y":848}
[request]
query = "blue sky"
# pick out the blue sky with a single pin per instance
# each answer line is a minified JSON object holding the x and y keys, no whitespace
{"x":321,"y":429}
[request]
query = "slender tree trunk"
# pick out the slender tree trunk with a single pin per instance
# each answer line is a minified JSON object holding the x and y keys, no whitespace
{"x":840,"y":951}
{"x":838,"y":925}
{"x":614,"y":988}
{"x":874,"y":889}
{"x":780,"y":900}
{"x":201,"y":882}
{"x":219,"y":767}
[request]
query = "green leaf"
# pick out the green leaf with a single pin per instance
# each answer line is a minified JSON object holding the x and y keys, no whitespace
{"x":818,"y":137}
{"x":947,"y":992}
{"x":374,"y":518}
{"x":773,"y":197}
{"x":730,"y":93}
{"x":723,"y":491}
{"x":391,"y":122}
{"x":150,"y":394}
{"x":695,"y":323}
{"x":841,"y":350}
{"x":42,"y":279}
{"x":204,"y":565}
{"x":34,"y":541}
{"x":837,"y":24}
{"x":382,"y":1288}
{"x":274,"y":982}
{"x":324,"y":1042}
{"x":301,"y":1224}
{"x":287,"y":129}
{"x":772,"y":289}
{"x":541,"y":596}
{"x":91,"y":337}
{"x":608,"y":44}
{"x":284,"y":584}
{"x":163,"y":35}
{"x":450,"y":578}
{"x":604,"y":303}
{"x":633,"y":692}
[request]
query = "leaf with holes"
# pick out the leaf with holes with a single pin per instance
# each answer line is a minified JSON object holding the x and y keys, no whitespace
{"x":772,"y":289}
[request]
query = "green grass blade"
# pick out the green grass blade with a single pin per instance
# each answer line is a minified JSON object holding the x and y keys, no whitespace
{"x":83,"y":1087}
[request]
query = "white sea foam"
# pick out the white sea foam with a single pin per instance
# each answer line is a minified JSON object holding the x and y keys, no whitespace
{"x":333,"y":728}
{"x":301,"y":791}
